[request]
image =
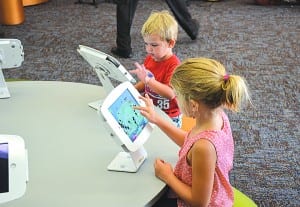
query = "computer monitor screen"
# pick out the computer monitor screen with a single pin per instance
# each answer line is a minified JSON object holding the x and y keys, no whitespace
{"x":4,"y":188}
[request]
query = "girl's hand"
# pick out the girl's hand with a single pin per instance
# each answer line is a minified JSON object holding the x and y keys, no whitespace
{"x":140,"y":71}
{"x":163,"y":170}
{"x":148,"y":110}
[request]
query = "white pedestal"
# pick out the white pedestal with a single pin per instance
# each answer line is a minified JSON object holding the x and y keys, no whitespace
{"x":4,"y":93}
{"x":128,"y":161}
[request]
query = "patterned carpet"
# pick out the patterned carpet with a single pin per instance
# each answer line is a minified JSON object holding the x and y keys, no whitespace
{"x":261,"y":43}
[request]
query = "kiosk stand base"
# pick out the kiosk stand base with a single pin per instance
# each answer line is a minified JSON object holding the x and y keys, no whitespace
{"x":128,"y":161}
{"x":96,"y":104}
{"x":4,"y":93}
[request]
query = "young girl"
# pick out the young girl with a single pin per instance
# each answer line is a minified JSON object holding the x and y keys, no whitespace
{"x":160,"y":35}
{"x":201,"y":175}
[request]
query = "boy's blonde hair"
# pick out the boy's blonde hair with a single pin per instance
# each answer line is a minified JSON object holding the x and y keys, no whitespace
{"x":205,"y":80}
{"x":161,"y":23}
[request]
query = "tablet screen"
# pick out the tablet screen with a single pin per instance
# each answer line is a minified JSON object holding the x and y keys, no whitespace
{"x":131,"y":121}
{"x":4,"y":168}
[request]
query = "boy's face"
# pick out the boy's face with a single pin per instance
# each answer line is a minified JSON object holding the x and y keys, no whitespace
{"x":156,"y":47}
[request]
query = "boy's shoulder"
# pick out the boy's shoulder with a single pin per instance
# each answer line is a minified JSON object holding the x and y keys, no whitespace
{"x":175,"y":57}
{"x":173,"y":60}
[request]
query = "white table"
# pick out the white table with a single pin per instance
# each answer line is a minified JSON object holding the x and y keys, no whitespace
{"x":69,"y":149}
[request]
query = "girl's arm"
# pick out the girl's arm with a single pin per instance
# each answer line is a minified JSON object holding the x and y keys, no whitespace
{"x":140,"y":86}
{"x":202,"y":157}
{"x":175,"y":133}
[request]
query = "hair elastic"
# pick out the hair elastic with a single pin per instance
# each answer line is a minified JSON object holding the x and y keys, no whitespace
{"x":226,"y":77}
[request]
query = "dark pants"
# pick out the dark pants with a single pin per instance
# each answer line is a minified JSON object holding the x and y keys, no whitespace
{"x":183,"y":16}
{"x":125,"y":13}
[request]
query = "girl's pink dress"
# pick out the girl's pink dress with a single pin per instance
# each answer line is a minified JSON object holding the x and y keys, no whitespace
{"x":222,"y":195}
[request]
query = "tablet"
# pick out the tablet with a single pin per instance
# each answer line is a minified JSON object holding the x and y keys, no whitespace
{"x":11,"y":53}
{"x":106,"y":68}
{"x":105,"y":63}
{"x":11,"y":56}
{"x":130,"y":127}
{"x":13,"y":167}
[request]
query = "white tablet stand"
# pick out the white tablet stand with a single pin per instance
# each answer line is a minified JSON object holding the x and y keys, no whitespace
{"x":4,"y":93}
{"x":11,"y":56}
{"x":106,"y":68}
{"x":128,"y":161}
{"x":106,"y":84}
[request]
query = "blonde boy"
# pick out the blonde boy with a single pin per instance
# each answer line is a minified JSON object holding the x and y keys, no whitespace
{"x":160,"y":34}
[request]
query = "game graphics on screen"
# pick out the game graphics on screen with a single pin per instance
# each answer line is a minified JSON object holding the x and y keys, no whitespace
{"x":131,"y":121}
{"x":3,"y":168}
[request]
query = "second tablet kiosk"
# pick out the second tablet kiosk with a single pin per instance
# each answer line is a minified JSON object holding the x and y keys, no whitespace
{"x":13,"y":167}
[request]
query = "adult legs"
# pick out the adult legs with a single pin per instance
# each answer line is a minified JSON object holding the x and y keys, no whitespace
{"x":125,"y":14}
{"x":1,"y":32}
{"x":183,"y":17}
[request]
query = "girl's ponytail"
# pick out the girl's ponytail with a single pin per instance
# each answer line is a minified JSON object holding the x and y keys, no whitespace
{"x":235,"y":92}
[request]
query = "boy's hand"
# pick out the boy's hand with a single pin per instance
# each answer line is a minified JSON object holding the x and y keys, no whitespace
{"x":140,"y":71}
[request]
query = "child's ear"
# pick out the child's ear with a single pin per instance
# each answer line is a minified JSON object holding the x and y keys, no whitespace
{"x":193,"y":104}
{"x":172,"y":43}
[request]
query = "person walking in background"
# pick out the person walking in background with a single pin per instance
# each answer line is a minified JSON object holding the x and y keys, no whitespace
{"x":160,"y":34}
{"x":125,"y":14}
{"x":201,"y":175}
{"x":183,"y":17}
